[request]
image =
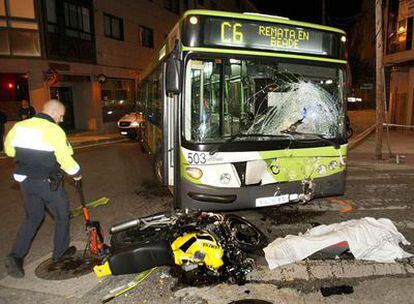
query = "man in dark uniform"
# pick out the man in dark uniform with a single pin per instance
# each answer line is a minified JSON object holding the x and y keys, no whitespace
{"x":26,"y":111}
{"x":41,"y":151}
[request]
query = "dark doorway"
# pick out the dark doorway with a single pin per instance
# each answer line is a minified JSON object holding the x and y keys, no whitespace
{"x":64,"y":95}
{"x":13,"y":88}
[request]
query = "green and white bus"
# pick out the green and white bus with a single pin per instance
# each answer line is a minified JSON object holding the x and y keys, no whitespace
{"x":247,"y":110}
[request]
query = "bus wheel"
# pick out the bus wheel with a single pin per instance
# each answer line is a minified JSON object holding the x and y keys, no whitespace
{"x":158,"y":167}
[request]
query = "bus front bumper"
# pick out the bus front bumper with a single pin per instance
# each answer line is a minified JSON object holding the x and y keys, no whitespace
{"x":213,"y":198}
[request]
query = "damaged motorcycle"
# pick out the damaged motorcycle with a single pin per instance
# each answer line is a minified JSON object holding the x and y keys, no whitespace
{"x":200,"y":246}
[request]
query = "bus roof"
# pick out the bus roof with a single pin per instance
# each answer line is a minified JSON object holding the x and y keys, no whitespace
{"x":259,"y":17}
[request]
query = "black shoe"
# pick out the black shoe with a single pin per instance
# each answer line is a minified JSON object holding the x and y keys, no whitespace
{"x":68,"y":253}
{"x":14,"y":266}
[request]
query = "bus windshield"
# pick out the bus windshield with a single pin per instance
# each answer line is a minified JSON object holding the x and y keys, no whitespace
{"x":248,"y":98}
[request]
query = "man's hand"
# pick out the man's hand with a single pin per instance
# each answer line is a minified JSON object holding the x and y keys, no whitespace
{"x":78,"y":181}
{"x":77,"y":178}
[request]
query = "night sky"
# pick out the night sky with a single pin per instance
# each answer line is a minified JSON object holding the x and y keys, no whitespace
{"x":338,"y":13}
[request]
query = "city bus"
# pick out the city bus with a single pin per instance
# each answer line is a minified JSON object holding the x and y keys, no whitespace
{"x":247,"y":110}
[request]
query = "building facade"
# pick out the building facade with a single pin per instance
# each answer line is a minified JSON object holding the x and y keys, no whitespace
{"x":399,"y":60}
{"x":90,"y":54}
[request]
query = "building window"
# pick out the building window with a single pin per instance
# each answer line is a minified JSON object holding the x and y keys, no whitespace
{"x":146,"y":36}
{"x":21,"y":9}
{"x":113,"y":27}
{"x":400,"y":28}
{"x":19,"y":34}
{"x":69,"y":30}
{"x":172,"y":6}
{"x":77,"y":21}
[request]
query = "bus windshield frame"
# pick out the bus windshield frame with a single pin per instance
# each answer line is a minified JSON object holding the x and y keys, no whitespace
{"x":301,"y":98}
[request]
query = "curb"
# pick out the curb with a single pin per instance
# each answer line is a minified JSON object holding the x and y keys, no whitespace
{"x":87,"y":144}
{"x":95,"y":143}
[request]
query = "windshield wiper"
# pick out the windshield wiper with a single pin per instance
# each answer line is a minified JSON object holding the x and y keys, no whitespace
{"x":233,"y":137}
{"x":292,"y":128}
{"x":320,"y":136}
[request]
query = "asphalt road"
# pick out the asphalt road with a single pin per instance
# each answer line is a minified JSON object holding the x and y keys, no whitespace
{"x":123,"y":173}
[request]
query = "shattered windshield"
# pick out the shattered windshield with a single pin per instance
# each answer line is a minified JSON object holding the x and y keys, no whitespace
{"x":229,"y":98}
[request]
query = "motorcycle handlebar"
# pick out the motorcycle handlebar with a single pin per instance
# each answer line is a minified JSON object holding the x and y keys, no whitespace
{"x":145,"y":222}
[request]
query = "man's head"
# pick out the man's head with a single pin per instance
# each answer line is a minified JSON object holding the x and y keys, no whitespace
{"x":25,"y":104}
{"x":55,"y":109}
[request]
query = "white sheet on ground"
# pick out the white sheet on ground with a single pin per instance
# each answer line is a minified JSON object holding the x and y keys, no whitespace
{"x":368,"y":239}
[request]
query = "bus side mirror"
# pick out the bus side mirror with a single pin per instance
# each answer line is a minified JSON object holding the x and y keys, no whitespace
{"x":173,"y":76}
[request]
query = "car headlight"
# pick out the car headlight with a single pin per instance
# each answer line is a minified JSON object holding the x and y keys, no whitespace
{"x":194,"y":172}
{"x":134,"y":124}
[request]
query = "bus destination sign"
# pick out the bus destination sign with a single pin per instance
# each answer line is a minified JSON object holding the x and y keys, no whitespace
{"x":267,"y":36}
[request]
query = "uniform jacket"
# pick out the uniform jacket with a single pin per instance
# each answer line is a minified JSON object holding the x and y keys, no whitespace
{"x":40,"y":148}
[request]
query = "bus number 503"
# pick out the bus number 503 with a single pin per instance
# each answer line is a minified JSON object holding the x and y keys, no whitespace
{"x":231,"y":33}
{"x":196,"y":158}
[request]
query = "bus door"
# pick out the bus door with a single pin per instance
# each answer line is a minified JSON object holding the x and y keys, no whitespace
{"x":170,"y":113}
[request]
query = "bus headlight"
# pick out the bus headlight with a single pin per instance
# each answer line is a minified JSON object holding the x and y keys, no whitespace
{"x":225,"y":178}
{"x":194,"y":172}
{"x":135,"y":124}
{"x":333,"y":165}
{"x":322,"y":169}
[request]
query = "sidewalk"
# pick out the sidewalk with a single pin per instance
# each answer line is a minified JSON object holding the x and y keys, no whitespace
{"x":401,"y":144}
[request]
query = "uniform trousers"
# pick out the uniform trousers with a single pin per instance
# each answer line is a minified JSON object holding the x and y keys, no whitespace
{"x":37,"y":197}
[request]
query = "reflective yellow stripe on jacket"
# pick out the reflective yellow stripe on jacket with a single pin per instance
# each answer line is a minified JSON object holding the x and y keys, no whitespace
{"x":40,"y":135}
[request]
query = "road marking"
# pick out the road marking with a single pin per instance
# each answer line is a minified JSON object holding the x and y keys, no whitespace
{"x":347,"y":204}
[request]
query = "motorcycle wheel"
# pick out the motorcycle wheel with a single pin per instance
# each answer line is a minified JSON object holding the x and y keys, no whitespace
{"x":245,"y":234}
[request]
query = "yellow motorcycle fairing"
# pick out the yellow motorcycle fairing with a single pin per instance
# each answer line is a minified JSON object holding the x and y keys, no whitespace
{"x":197,"y":248}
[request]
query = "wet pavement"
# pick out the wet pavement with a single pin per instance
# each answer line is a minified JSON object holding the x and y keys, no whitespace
{"x":377,"y":189}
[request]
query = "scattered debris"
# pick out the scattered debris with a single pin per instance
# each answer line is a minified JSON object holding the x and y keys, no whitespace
{"x":116,"y":292}
{"x":336,"y":290}
{"x":164,"y":275}
{"x":368,"y":239}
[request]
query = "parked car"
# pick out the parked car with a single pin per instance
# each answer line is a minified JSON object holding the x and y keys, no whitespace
{"x":132,"y":125}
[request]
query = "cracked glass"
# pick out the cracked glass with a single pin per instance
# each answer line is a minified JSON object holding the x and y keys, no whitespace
{"x":245,"y":98}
